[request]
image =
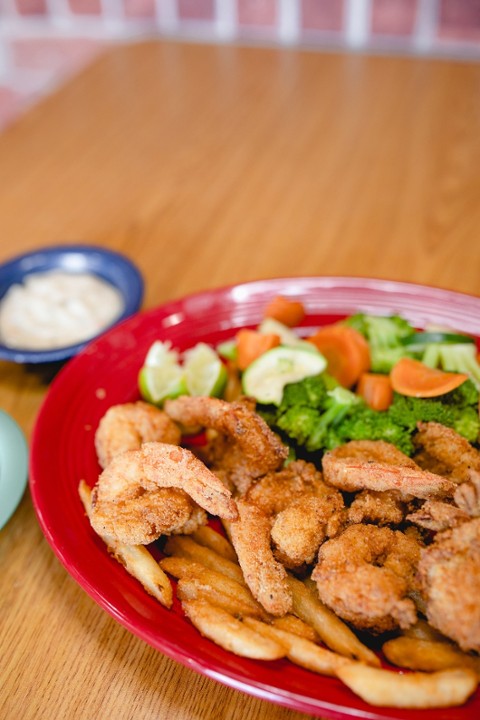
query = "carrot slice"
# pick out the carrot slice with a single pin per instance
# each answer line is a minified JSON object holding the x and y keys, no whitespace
{"x":251,"y":344}
{"x":345,"y":350}
{"x":413,"y":378}
{"x":376,"y":390}
{"x":289,"y":312}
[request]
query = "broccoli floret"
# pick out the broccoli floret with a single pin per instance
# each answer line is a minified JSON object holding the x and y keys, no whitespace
{"x":457,"y":409}
{"x":310,"y":392}
{"x":467,"y":423}
{"x":465,"y":395}
{"x":407,"y":411}
{"x":337,"y":406}
{"x":381,"y":330}
{"x":311,"y":410}
{"x":363,"y":423}
{"x":298,"y":422}
{"x":458,"y":357}
{"x":382,"y":359}
{"x":464,"y":403}
{"x":385,"y":336}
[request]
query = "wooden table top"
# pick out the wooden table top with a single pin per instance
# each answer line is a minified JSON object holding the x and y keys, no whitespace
{"x":210,"y":166}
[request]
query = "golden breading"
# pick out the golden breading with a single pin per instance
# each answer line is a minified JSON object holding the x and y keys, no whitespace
{"x":447,"y":452}
{"x":128,"y":426}
{"x":245,"y":448}
{"x":449,"y":573}
{"x":365,"y":576}
{"x":157,"y":490}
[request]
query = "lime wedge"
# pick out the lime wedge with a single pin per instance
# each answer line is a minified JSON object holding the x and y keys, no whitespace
{"x":266,"y":377}
{"x":205,"y":374}
{"x":161,"y":354}
{"x":156,"y":384}
{"x":161,"y":376}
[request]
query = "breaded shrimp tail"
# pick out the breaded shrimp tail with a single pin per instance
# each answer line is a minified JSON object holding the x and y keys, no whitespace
{"x":245,"y":447}
{"x":266,"y":578}
{"x":171,"y":466}
{"x":154,"y":491}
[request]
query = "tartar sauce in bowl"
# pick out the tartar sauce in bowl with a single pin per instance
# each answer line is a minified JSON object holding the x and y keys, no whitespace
{"x":55,"y":300}
{"x":56,"y":308}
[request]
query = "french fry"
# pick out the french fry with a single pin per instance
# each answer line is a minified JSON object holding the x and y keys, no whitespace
{"x":212,"y":584}
{"x":301,"y":651}
{"x":136,"y":559}
{"x":293,"y":624}
{"x":428,"y":655}
{"x":416,"y":690}
{"x":205,"y":535}
{"x":184,"y":567}
{"x":225,"y":630}
{"x":333,"y":631}
{"x":183,"y":546}
{"x":194,"y":588}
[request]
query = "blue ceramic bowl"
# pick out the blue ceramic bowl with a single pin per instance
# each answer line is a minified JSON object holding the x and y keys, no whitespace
{"x":111,"y":266}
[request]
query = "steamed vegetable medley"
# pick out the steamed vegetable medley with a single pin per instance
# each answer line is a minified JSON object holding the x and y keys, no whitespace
{"x":363,"y":378}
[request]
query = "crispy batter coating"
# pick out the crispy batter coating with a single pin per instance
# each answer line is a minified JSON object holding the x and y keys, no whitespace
{"x":377,"y":451}
{"x":284,"y":517}
{"x":145,"y":493}
{"x":277,"y":490}
{"x":245,"y":447}
{"x":443,"y":450}
{"x":467,"y":495}
{"x":127,"y":426}
{"x":437,"y":516}
{"x":265,"y":576}
{"x":449,"y":572}
{"x":361,"y":465}
{"x":299,"y":530}
{"x":379,"y":508}
{"x":365,"y":575}
{"x":304,"y":510}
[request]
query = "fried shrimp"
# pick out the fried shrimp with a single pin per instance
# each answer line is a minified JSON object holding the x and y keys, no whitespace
{"x":379,"y":508}
{"x":365,"y":576}
{"x":298,"y":531}
{"x":277,"y":490}
{"x":127,"y":426}
{"x":467,"y":495}
{"x":245,"y":448}
{"x":377,"y":451}
{"x":444,"y":451}
{"x":156,"y":490}
{"x":303,"y":508}
{"x":438,"y":516}
{"x":361,"y":465}
{"x":449,"y":572}
{"x":264,"y":575}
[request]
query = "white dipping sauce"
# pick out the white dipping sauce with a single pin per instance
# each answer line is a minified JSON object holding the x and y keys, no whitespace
{"x":54,"y":309}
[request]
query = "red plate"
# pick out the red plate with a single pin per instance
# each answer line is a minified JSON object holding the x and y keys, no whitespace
{"x":105,"y":373}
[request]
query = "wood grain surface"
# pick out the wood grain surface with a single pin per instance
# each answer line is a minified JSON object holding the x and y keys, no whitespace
{"x":209,"y":166}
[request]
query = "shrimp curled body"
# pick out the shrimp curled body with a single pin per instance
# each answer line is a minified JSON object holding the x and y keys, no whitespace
{"x":156,"y":490}
{"x":365,"y":575}
{"x":244,"y":448}
{"x":449,"y":571}
{"x":379,"y":466}
{"x":128,"y":426}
